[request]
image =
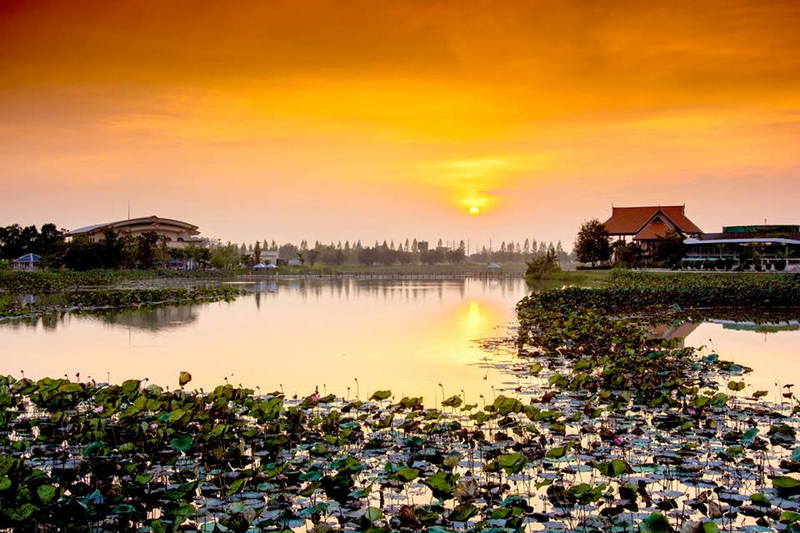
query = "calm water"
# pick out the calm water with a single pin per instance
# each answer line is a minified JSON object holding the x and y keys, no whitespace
{"x":774,"y":355}
{"x":345,"y":337}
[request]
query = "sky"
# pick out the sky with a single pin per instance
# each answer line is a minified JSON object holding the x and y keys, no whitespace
{"x":370,"y":120}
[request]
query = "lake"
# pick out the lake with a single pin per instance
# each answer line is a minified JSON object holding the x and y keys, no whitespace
{"x":348,"y":337}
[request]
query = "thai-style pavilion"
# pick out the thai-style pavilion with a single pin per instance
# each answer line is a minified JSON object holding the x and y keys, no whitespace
{"x":643,"y":225}
{"x":175,"y":233}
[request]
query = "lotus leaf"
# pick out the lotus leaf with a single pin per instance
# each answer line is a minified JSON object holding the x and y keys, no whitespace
{"x":504,"y":405}
{"x":373,"y":514}
{"x":93,"y":449}
{"x":452,"y":401}
{"x":736,"y":385}
{"x":512,"y":463}
{"x":442,"y":484}
{"x":613,"y":468}
{"x":786,"y":483}
{"x":182,"y":444}
{"x":406,"y":474}
{"x":184,"y":378}
{"x":381,"y":395}
{"x":463,"y":512}
{"x":47,"y":494}
{"x":655,"y":523}
{"x":558,"y":452}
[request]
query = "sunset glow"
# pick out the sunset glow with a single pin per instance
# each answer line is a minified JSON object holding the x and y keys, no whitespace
{"x":328,"y":120}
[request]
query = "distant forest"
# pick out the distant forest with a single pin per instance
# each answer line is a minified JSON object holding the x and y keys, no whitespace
{"x":410,"y":251}
{"x":149,"y":250}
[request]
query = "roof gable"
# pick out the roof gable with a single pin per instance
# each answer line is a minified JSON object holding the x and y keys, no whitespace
{"x":653,"y":231}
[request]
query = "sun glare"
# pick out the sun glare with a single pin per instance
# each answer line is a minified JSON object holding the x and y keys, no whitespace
{"x":474,"y":210}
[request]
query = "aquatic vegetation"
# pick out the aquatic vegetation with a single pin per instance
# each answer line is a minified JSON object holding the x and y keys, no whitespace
{"x":47,"y":282}
{"x":602,"y":428}
{"x":100,"y":300}
{"x":136,"y":456}
{"x":121,"y":299}
{"x":55,"y":281}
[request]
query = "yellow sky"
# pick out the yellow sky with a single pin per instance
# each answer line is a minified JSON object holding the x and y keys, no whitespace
{"x":378,"y":119}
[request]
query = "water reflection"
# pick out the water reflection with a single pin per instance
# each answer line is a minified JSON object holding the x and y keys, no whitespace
{"x":154,"y":319}
{"x":677,"y":331}
{"x":759,"y":327}
{"x":349,"y":337}
{"x":771,"y":349}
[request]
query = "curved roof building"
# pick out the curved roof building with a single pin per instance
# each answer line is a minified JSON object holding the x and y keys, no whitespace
{"x":176,"y":233}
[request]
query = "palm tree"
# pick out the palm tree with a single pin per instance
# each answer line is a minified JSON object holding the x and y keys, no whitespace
{"x":783,"y":258}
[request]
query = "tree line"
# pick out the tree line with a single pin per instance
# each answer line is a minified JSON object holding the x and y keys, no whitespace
{"x":410,"y":251}
{"x":149,"y":250}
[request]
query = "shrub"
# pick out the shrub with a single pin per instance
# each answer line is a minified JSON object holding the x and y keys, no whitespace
{"x":542,"y":266}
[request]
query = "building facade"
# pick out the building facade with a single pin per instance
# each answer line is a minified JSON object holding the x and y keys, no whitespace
{"x":175,"y":233}
{"x":760,"y":244}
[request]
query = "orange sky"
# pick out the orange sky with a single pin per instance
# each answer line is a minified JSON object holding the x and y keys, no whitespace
{"x":333,"y":120}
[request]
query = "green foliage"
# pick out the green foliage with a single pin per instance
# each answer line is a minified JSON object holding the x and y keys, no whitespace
{"x":106,"y":299}
{"x":604,"y":396}
{"x":655,"y":523}
{"x":614,"y":468}
{"x":592,"y":244}
{"x":542,"y":267}
{"x":381,"y":395}
{"x":667,"y":250}
{"x":628,"y":255}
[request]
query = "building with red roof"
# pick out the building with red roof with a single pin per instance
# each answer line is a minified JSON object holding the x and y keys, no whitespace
{"x":643,"y":225}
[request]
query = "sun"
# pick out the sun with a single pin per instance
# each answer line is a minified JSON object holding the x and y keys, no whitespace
{"x":474,"y":210}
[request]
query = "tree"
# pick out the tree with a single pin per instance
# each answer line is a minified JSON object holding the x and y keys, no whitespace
{"x":82,"y":254}
{"x":668,"y":250}
{"x":112,"y":250}
{"x":49,"y":240}
{"x":16,"y":240}
{"x":224,"y":256}
{"x":146,"y":249}
{"x":628,"y":255}
{"x":592,"y":245}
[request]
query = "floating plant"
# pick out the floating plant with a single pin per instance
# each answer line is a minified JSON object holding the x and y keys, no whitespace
{"x":605,"y":429}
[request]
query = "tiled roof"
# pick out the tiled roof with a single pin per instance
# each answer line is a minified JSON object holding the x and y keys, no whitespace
{"x":631,"y":220}
{"x":653,"y":231}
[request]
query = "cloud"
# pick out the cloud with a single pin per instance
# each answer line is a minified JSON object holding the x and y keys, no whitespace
{"x":446,"y":100}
